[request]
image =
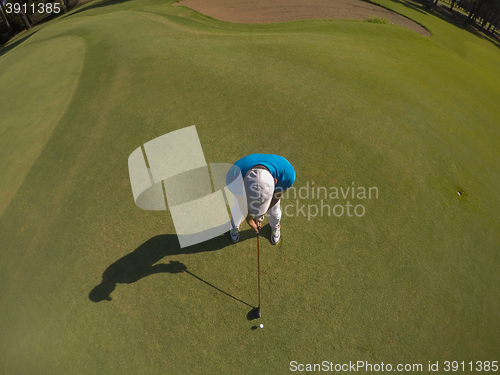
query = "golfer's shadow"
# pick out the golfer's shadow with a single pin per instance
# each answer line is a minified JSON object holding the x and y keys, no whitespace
{"x":142,"y":262}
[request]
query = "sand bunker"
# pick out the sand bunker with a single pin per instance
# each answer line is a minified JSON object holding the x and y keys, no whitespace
{"x":271,"y":11}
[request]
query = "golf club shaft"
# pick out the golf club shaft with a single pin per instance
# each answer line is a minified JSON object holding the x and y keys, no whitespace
{"x":258,"y":264}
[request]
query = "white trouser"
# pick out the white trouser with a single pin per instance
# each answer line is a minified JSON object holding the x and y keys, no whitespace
{"x":274,"y":215}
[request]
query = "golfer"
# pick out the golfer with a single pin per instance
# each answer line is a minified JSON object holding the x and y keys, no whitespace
{"x":265,"y":178}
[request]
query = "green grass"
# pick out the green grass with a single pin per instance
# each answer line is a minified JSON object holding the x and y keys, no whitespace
{"x":414,"y":280}
{"x":377,"y":20}
{"x":34,"y":98}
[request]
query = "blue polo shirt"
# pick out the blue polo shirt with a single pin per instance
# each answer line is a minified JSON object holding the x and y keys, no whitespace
{"x":280,"y":168}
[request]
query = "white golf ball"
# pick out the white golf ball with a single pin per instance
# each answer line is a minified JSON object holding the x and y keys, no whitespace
{"x":261,"y":325}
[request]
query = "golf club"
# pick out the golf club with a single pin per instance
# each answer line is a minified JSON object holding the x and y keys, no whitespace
{"x":256,"y":313}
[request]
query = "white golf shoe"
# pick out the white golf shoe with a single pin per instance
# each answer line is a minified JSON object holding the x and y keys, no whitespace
{"x":234,"y":234}
{"x":275,"y":235}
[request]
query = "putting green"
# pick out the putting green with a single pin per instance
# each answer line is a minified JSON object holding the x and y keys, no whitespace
{"x":415,"y":279}
{"x":37,"y":86}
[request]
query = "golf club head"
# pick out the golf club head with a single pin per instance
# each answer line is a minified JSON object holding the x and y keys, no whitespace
{"x":254,"y":314}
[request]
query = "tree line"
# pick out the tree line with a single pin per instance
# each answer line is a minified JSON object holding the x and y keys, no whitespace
{"x":485,"y":13}
{"x":18,"y":15}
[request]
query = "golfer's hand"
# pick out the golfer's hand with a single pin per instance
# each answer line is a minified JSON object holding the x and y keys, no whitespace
{"x":255,"y":226}
{"x":259,"y":224}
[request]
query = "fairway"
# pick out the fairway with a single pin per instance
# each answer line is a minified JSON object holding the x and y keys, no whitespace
{"x":410,"y":275}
